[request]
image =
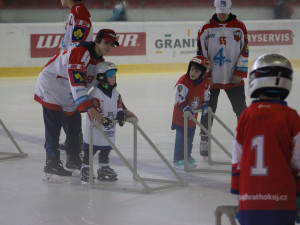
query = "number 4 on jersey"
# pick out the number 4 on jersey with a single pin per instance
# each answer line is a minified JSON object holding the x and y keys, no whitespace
{"x":219,"y":58}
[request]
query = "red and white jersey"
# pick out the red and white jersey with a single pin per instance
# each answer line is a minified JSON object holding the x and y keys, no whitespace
{"x":78,"y":27}
{"x":266,"y":163}
{"x":225,"y":44}
{"x":188,"y":93}
{"x":108,"y":107}
{"x":64,"y":82}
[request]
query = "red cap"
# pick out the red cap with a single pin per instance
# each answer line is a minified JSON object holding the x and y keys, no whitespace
{"x":108,"y":35}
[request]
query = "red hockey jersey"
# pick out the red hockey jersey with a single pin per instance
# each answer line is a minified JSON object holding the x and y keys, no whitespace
{"x":266,"y":163}
{"x":188,"y":93}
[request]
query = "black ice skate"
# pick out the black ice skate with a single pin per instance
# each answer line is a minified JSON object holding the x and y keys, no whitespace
{"x":55,"y":172}
{"x":85,"y":173}
{"x":107,"y":174}
{"x":73,"y":164}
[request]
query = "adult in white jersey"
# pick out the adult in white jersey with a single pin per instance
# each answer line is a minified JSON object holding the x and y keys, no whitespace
{"x":62,"y":89}
{"x":78,"y":26}
{"x":223,"y":40}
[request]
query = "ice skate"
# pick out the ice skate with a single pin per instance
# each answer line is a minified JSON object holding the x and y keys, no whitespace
{"x":191,"y":160}
{"x":74,"y":164}
{"x":204,"y":148}
{"x":85,"y":173}
{"x":106,"y":174}
{"x":55,"y":172}
{"x":179,"y":164}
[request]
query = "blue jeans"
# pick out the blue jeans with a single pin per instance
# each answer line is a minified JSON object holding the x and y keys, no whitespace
{"x":179,"y":143}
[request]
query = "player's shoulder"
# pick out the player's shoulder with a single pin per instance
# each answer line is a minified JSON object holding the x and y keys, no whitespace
{"x":116,"y":92}
{"x":80,"y":55}
{"x":238,"y":24}
{"x":293,"y":112}
{"x":80,"y":50}
{"x":183,"y":80}
{"x":206,"y":24}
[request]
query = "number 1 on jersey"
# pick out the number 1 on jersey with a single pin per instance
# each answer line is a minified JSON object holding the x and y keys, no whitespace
{"x":258,"y":146}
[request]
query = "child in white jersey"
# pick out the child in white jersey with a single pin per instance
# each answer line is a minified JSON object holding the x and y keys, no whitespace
{"x":107,"y":100}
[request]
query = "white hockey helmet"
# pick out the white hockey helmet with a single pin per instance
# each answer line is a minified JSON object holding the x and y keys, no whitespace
{"x":103,"y":70}
{"x":270,"y":75}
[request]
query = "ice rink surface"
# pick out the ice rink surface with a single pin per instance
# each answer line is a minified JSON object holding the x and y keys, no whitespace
{"x":27,"y":200}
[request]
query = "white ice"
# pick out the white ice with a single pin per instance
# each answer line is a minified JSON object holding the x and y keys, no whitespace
{"x":27,"y":200}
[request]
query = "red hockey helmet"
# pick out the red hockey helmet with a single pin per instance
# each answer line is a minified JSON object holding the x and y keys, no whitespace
{"x":201,"y":62}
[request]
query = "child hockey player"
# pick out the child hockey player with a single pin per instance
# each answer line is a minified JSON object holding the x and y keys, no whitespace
{"x":191,"y":93}
{"x":266,"y":152}
{"x":108,"y":102}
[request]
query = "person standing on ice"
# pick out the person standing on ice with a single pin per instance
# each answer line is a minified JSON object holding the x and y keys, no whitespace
{"x":191,"y":93}
{"x":223,"y":40}
{"x":107,"y":100}
{"x":266,"y":148}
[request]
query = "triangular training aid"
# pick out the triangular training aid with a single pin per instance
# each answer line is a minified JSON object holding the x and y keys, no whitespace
{"x":187,"y":115}
{"x":164,"y":184}
{"x":9,"y":155}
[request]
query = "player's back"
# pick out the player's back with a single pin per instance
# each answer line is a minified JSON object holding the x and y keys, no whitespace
{"x":266,"y":131}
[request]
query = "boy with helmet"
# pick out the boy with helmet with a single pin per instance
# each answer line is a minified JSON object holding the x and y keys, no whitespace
{"x":191,"y":93}
{"x":266,"y":151}
{"x":107,"y":100}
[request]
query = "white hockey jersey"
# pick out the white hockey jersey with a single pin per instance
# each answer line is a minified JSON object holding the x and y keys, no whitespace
{"x":108,"y":107}
{"x":64,"y":82}
{"x":225,"y":44}
{"x":78,"y":27}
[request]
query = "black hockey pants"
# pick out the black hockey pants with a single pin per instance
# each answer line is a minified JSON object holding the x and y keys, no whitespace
{"x":53,"y":121}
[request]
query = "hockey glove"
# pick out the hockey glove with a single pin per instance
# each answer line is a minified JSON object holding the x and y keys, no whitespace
{"x":106,"y":121}
{"x":204,"y":109}
{"x":189,"y":109}
{"x":121,"y":118}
